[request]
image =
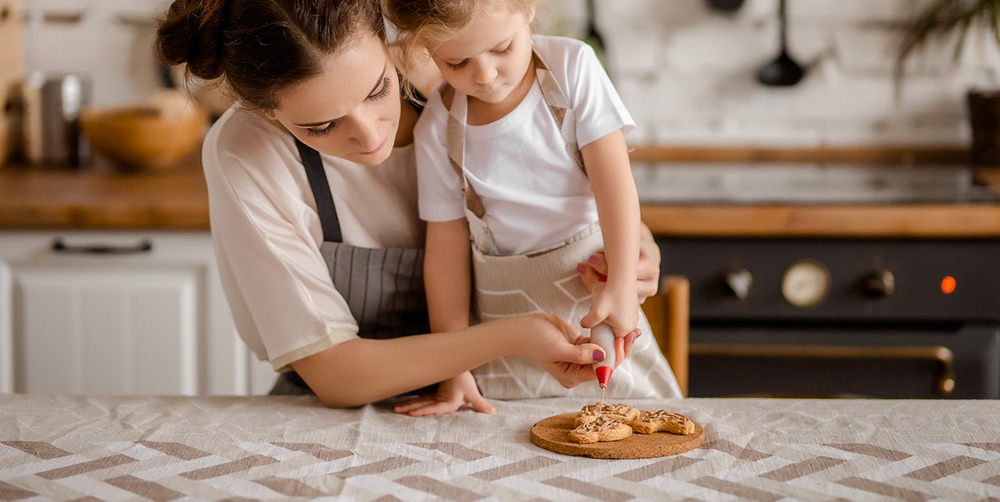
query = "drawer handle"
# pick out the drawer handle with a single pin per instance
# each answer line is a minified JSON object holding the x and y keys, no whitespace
{"x":145,"y":246}
{"x":945,"y":383}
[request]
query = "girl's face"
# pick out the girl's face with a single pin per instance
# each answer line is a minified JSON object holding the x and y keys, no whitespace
{"x":352,"y":109}
{"x":490,"y":56}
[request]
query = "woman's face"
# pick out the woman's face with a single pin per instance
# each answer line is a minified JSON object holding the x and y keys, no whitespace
{"x":352,"y":109}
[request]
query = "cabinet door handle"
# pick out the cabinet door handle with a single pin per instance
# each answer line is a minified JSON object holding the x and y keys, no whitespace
{"x":144,"y":246}
{"x":945,"y":382}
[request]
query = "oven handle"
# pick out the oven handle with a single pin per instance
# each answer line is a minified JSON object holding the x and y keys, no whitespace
{"x":944,"y":355}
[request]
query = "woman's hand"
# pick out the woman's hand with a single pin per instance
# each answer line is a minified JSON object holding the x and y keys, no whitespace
{"x":595,"y":271}
{"x":452,"y":395}
{"x":562,"y":351}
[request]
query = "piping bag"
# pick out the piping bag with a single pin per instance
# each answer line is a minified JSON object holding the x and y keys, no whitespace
{"x":604,"y":335}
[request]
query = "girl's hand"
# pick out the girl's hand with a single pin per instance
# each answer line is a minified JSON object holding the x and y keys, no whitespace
{"x":616,"y":305}
{"x":452,"y":395}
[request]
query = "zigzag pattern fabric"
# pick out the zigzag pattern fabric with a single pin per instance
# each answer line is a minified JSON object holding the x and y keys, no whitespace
{"x":166,"y":448}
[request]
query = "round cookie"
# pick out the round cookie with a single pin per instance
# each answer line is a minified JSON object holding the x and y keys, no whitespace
{"x":553,"y":434}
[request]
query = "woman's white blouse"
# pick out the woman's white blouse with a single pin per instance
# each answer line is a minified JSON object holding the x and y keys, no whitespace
{"x":267,"y":234}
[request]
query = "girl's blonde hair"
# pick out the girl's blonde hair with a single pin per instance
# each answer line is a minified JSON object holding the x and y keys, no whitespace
{"x":421,"y":23}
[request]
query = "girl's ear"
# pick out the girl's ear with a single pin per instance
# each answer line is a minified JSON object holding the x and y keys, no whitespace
{"x":531,"y":15}
{"x":270,"y":114}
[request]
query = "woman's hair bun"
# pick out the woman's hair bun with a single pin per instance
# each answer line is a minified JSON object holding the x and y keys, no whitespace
{"x":191,"y":34}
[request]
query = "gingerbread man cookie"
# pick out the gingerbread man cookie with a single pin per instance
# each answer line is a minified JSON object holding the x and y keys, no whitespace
{"x":621,"y":412}
{"x":649,"y":422}
{"x":600,"y":429}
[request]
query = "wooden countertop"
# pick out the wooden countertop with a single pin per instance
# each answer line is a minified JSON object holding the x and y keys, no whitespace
{"x":100,"y":197}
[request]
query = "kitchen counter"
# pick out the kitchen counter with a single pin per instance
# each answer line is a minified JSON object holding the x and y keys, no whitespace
{"x":100,"y":197}
{"x":267,"y":447}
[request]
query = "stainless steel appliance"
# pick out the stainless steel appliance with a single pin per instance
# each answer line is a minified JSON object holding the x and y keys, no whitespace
{"x":46,"y":117}
{"x":916,"y":318}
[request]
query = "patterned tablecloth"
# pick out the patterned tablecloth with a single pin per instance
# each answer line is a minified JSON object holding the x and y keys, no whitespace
{"x":162,"y":448}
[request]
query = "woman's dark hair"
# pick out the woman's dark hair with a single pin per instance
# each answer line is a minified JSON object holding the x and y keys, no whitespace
{"x":259,"y":47}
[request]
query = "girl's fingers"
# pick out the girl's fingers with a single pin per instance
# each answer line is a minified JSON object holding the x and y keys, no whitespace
{"x":629,"y":342}
{"x":413,"y":404}
{"x":438,"y":408}
{"x":481,"y":405}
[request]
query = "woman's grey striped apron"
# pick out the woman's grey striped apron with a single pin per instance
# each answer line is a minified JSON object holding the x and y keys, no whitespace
{"x":544,"y":281}
{"x":384,"y":288}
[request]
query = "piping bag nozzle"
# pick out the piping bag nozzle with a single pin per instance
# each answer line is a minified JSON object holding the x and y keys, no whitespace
{"x":603,"y":375}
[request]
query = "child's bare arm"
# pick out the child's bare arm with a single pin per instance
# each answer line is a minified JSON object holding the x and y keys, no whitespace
{"x":447,"y":274}
{"x":610,"y":173}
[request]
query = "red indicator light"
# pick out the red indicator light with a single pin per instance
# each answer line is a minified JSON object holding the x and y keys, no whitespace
{"x":948,"y":285}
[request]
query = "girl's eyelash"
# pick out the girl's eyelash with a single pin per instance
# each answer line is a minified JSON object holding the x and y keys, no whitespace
{"x":459,"y":66}
{"x":386,"y":87}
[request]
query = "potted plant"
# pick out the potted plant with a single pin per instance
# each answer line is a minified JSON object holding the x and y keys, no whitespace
{"x":955,"y":21}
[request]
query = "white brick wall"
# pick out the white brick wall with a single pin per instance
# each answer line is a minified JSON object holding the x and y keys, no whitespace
{"x":109,"y":40}
{"x":688,"y":74}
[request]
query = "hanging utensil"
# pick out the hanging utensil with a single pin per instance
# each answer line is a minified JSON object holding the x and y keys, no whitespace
{"x":592,"y":36}
{"x":783,"y":71}
{"x":725,"y":5}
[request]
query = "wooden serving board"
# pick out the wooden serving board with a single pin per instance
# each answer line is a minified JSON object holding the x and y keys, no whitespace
{"x":553,"y":435}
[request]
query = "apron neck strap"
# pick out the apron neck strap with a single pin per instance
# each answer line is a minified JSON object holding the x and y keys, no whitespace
{"x":321,"y":192}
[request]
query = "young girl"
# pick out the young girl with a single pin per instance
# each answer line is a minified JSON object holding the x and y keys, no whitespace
{"x":521,"y":152}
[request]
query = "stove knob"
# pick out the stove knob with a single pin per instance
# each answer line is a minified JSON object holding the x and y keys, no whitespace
{"x":739,"y":281}
{"x":880,"y":283}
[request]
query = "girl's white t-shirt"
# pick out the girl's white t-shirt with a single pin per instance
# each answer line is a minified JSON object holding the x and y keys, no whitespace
{"x":267,"y":233}
{"x":534,"y":193}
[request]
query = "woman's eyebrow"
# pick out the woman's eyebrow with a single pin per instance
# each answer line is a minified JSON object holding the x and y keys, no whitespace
{"x":377,"y":83}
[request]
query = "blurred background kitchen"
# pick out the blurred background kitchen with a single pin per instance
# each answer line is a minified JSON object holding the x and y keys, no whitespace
{"x":838,"y":224}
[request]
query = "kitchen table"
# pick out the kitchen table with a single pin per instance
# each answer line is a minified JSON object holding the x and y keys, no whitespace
{"x":161,"y":448}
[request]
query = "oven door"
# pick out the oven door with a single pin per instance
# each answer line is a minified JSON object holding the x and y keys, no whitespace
{"x":917,"y":361}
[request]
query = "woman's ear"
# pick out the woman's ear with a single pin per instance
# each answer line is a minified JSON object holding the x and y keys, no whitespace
{"x":270,"y":114}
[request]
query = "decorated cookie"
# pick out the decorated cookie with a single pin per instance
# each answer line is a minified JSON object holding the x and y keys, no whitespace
{"x":600,"y":429}
{"x":649,"y":422}
{"x":621,"y":412}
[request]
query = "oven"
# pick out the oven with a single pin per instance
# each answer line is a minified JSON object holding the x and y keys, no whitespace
{"x":834,"y":317}
{"x":838,"y":318}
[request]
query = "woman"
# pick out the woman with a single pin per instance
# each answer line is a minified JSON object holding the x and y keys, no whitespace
{"x":312,"y":194}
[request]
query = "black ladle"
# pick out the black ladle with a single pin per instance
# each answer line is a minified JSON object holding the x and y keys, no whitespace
{"x":593,"y":37}
{"x":783,"y":71}
{"x":727,"y":6}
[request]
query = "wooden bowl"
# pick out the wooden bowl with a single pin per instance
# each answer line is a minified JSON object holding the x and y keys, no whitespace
{"x":144,"y":137}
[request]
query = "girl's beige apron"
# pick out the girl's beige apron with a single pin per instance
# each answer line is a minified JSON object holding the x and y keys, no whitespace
{"x":384,"y":288}
{"x":544,"y":281}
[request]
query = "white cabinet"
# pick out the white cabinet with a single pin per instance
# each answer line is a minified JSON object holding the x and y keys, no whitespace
{"x":118,"y":313}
